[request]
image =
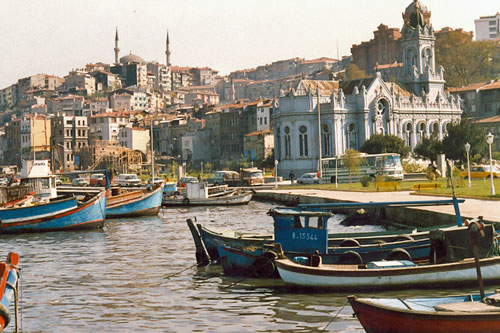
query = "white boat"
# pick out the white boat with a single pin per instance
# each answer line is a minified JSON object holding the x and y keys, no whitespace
{"x":458,"y":269}
{"x":202,"y":194}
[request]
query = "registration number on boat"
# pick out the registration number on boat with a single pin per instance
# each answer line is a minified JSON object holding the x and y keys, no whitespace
{"x":304,"y":236}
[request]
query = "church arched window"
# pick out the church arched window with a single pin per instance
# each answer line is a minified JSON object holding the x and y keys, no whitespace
{"x":326,"y":140}
{"x":421,"y":131}
{"x":288,"y":147}
{"x":352,"y":136}
{"x":408,"y":132}
{"x":303,"y":147}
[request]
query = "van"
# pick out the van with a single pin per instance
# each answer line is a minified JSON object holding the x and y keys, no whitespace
{"x":231,"y":178}
{"x":252,"y":176}
{"x":128,"y":179}
{"x":97,"y":179}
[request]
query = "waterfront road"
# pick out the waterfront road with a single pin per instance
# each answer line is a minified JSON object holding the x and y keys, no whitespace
{"x":471,"y":208}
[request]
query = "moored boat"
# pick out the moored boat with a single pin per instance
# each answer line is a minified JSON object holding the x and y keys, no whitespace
{"x":201,"y":194}
{"x":136,"y":202}
{"x":465,"y":313}
{"x":9,"y":277}
{"x":59,"y":214}
{"x":458,"y":267}
{"x":214,"y":238}
{"x":301,"y":233}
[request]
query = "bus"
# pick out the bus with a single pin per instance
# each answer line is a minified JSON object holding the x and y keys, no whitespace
{"x":388,"y":164}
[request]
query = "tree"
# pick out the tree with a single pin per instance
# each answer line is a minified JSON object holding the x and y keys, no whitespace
{"x":379,"y":143}
{"x":352,"y":161}
{"x":466,"y":61}
{"x":459,"y":133}
{"x":429,"y":148}
{"x":353,"y":72}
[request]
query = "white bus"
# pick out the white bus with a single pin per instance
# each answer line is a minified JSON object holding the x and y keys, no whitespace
{"x":388,"y":164}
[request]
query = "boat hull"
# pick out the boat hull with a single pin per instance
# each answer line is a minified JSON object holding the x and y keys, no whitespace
{"x":239,"y":199}
{"x":146,"y":204}
{"x":385,"y":318}
{"x":350,"y":277}
{"x":8,"y":281}
{"x":241,"y":261}
{"x":87,"y":215}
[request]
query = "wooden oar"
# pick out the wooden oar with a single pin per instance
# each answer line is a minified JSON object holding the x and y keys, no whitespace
{"x":475,"y":233}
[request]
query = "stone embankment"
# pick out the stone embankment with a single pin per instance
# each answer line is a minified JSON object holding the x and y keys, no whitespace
{"x":423,"y":216}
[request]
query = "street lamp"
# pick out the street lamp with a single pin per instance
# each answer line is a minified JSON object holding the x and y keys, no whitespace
{"x":467,"y":149}
{"x":489,"y":140}
{"x":276,"y":173}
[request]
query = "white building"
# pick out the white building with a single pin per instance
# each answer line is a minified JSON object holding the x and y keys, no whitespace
{"x":106,"y":126}
{"x":411,"y":108}
{"x":134,"y":138}
{"x":488,"y":27}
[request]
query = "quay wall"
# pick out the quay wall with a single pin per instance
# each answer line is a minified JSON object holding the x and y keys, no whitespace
{"x":414,"y":217}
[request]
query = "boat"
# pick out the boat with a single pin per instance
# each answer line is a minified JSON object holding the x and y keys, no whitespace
{"x":135,"y":202}
{"x":9,"y":277}
{"x":202,"y":194}
{"x":212,"y":239}
{"x":466,"y":313}
{"x":48,"y":211}
{"x":451,"y":264}
{"x":301,"y":233}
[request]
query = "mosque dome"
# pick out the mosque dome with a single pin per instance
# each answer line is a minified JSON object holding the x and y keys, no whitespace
{"x":417,"y":19}
{"x":132,"y":58}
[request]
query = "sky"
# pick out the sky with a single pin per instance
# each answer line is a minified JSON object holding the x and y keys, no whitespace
{"x":54,"y":37}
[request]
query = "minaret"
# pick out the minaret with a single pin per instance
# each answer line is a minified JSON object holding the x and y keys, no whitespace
{"x":167,"y":51}
{"x":117,"y":49}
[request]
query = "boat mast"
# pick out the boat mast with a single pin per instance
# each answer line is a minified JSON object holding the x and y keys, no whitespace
{"x":152,"y":154}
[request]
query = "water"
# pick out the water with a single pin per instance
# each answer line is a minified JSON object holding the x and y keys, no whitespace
{"x":123,"y":278}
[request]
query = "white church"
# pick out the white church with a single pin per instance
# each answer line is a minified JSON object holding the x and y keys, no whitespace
{"x":412,"y":108}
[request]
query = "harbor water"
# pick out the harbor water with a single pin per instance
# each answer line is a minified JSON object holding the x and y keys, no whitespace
{"x":140,"y":275}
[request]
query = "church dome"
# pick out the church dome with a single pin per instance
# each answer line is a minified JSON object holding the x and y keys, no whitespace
{"x":411,"y":8}
{"x":132,"y":58}
{"x":417,"y":19}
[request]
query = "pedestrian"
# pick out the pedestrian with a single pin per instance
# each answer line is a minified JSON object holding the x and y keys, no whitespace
{"x":291,"y":175}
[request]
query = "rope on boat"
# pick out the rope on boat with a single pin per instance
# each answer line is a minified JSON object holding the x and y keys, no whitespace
{"x":235,"y":283}
{"x":179,"y":272}
{"x":336,"y":315}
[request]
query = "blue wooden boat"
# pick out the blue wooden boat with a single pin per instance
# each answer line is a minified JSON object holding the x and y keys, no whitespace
{"x":55,"y":215}
{"x":9,"y":277}
{"x":138,"y":202}
{"x":466,"y":313}
{"x":301,"y":233}
{"x":212,"y":238}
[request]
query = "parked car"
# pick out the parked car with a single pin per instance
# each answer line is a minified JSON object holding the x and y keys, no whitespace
{"x":98,"y":179}
{"x":80,"y":181}
{"x":480,"y":171}
{"x":128,"y":179}
{"x":308,"y":178}
{"x":58,"y":181}
{"x":157,"y":180}
{"x":226,"y":177}
{"x":184,"y":180}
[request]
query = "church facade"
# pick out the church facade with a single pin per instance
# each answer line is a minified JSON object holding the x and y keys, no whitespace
{"x":413,"y":107}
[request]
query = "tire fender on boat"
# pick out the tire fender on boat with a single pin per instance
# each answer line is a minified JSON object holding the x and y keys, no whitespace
{"x":349,"y":242}
{"x":185,"y":201}
{"x":398,"y":254}
{"x":350,"y":258}
{"x":264,"y":266}
{"x":402,"y":238}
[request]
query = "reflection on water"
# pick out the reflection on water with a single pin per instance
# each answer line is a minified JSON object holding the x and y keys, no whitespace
{"x":139,"y":275}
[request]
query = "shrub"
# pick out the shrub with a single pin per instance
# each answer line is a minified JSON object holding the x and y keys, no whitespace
{"x":365,"y":180}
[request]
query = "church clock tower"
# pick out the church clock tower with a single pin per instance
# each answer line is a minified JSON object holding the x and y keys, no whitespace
{"x":417,"y":43}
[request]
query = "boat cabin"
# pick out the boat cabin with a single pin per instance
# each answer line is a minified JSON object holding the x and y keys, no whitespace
{"x":203,"y":190}
{"x":300,"y":230}
{"x":37,"y":175}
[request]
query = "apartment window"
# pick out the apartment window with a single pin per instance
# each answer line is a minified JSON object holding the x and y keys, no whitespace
{"x":492,"y":22}
{"x":493,"y":29}
{"x":493,"y":36}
